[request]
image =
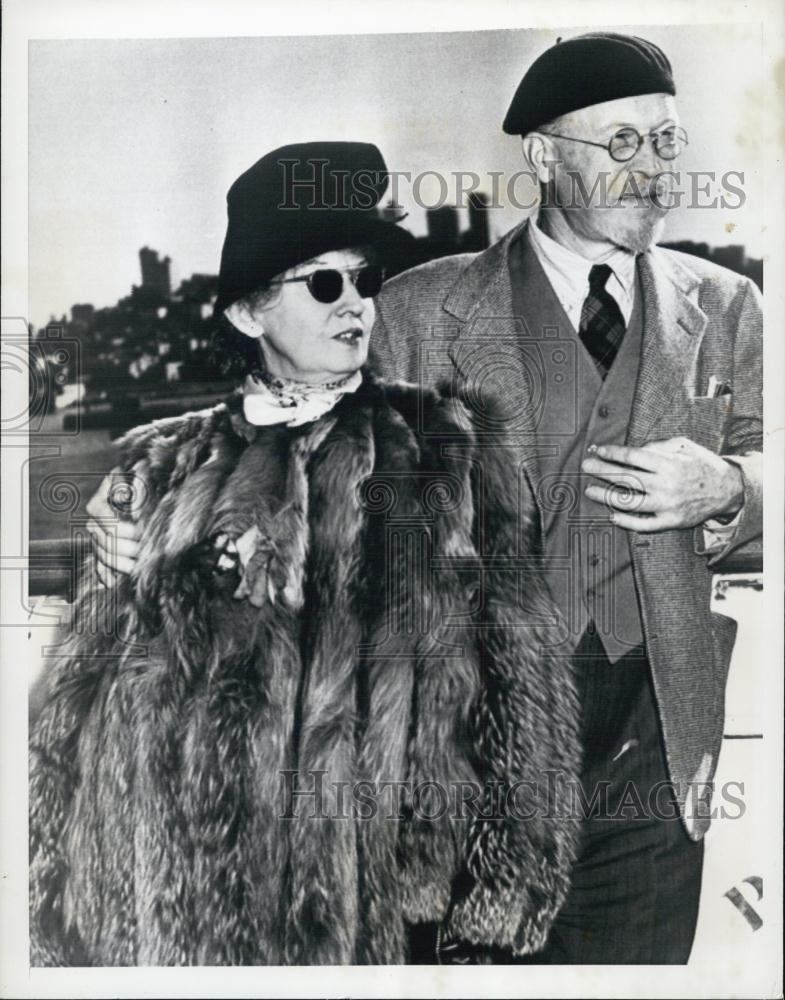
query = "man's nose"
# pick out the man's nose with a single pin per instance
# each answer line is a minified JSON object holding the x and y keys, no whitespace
{"x":647,"y":160}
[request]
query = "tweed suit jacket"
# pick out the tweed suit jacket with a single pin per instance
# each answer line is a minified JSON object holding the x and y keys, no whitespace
{"x":453,"y":318}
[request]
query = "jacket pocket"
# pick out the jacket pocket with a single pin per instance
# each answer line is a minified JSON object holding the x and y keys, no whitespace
{"x":709,"y":418}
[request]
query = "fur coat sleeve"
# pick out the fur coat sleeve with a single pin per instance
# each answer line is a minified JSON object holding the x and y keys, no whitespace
{"x":346,"y":722}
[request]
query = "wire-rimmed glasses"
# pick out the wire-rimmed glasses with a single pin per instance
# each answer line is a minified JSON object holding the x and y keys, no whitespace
{"x":623,"y":145}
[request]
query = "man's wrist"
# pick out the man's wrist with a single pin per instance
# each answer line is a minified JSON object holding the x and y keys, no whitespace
{"x":734,"y":490}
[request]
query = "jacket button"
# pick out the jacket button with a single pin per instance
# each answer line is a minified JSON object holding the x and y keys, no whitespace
{"x":594,"y":560}
{"x":604,"y":411}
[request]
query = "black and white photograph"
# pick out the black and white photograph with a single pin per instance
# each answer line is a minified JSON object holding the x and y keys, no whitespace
{"x":388,"y":453}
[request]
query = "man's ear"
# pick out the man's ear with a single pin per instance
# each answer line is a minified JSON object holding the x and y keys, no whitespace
{"x":241,"y":316}
{"x":539,"y":154}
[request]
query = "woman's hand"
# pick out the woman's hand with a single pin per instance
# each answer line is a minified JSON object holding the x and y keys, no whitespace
{"x":115,"y":541}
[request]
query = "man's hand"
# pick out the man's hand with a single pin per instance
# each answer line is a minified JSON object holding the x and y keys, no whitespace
{"x":665,"y":484}
{"x":115,"y":542}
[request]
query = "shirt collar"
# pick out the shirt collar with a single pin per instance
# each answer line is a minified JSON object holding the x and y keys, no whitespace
{"x":575,"y":269}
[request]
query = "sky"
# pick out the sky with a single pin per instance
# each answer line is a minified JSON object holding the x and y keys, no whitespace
{"x":134,"y":142}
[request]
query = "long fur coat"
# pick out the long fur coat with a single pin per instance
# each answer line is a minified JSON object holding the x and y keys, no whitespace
{"x":324,"y":708}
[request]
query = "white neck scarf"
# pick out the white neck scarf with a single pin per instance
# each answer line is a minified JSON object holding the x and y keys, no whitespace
{"x":268,"y":399}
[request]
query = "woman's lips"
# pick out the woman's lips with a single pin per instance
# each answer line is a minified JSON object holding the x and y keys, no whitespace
{"x":350,"y":336}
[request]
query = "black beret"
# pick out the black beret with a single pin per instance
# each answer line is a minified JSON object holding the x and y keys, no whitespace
{"x":300,"y":201}
{"x":583,"y":71}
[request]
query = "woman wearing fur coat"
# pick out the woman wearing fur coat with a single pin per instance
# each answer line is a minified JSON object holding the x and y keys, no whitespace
{"x":316,"y":731}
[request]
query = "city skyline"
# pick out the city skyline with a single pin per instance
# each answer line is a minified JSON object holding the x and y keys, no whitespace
{"x":440,"y":234}
{"x":157,"y":339}
{"x":137,"y":141}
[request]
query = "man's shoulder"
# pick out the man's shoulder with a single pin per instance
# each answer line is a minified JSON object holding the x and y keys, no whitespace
{"x":720,"y":280}
{"x":435,"y":277}
{"x":409,"y":308}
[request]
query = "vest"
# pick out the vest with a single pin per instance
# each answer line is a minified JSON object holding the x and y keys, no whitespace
{"x":588,"y":563}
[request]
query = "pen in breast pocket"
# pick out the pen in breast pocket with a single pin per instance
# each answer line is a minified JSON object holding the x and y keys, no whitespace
{"x":717,"y":388}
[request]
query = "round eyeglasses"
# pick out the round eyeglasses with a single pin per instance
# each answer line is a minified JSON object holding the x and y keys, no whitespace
{"x":623,"y":145}
{"x":327,"y":285}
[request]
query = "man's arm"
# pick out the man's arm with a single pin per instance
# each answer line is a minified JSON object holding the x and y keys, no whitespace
{"x":682,"y":484}
{"x":745,"y":435}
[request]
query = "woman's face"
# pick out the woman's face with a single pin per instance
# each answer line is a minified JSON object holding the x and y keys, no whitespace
{"x":301,"y":338}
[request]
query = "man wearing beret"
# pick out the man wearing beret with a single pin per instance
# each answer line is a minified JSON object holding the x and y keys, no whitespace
{"x":632,"y":377}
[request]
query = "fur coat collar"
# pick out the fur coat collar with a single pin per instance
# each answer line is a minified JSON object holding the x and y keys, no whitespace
{"x":287,"y":746}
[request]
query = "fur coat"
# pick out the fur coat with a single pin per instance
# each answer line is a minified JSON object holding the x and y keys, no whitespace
{"x":289,"y":747}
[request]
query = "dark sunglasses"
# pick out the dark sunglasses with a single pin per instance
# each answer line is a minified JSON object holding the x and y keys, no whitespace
{"x":327,"y":285}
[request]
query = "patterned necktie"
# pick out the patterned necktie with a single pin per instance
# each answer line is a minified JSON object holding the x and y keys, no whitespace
{"x":602,"y":324}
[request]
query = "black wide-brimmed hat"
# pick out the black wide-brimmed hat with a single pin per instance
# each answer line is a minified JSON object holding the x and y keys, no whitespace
{"x":586,"y":70}
{"x":300,"y":201}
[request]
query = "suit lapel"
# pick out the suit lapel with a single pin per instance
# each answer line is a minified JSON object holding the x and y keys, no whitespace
{"x":486,"y":282}
{"x":673,"y":327}
{"x":487,"y":350}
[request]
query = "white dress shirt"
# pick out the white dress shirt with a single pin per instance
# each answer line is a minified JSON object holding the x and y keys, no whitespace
{"x":568,"y":274}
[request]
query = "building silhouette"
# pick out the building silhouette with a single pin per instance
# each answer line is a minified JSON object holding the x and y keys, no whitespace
{"x":82,"y":315}
{"x":155,"y":272}
{"x":477,"y":236}
{"x":443,"y":225}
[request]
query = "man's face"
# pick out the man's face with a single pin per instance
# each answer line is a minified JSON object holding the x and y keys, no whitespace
{"x":600,"y":198}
